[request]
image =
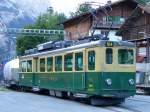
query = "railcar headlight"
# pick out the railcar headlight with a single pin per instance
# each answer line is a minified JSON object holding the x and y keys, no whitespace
{"x":131,"y":81}
{"x":108,"y":81}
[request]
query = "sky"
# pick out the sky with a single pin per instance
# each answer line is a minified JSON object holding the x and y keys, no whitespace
{"x":67,"y":6}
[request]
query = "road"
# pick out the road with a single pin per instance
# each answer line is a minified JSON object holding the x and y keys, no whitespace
{"x":11,"y":101}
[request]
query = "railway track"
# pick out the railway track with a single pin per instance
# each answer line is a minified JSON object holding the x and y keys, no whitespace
{"x":139,"y":100}
{"x":122,"y":109}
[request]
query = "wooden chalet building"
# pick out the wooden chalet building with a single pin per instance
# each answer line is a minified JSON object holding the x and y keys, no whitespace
{"x":137,"y":25}
{"x":137,"y":29}
{"x":108,"y":18}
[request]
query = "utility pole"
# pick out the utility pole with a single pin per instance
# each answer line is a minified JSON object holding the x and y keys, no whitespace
{"x":147,"y":46}
{"x":147,"y":77}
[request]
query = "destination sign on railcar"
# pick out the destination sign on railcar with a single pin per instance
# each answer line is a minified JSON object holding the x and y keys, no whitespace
{"x":109,"y":44}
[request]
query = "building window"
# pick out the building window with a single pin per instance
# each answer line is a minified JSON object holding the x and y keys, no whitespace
{"x":23,"y":66}
{"x":79,"y":61}
{"x":109,"y":56}
{"x":115,"y":19}
{"x":68,"y":62}
{"x":50,"y":64}
{"x":29,"y":66}
{"x":58,"y":63}
{"x":125,"y":56}
{"x":91,"y":60}
{"x":42,"y":65}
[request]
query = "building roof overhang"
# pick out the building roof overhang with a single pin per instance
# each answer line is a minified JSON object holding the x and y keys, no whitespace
{"x":101,"y":8}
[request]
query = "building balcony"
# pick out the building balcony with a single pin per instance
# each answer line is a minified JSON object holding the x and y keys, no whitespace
{"x":106,"y":25}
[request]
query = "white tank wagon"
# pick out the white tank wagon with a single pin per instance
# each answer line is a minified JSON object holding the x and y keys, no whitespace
{"x":11,"y":72}
{"x":143,"y":67}
{"x":143,"y":77}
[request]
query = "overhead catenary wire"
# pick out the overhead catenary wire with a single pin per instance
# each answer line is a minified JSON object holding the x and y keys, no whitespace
{"x":92,"y":13}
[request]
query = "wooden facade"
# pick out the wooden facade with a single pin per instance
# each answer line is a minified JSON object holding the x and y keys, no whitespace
{"x":119,"y":11}
{"x":137,"y":29}
{"x":78,"y":27}
{"x":109,"y":17}
{"x":138,"y":25}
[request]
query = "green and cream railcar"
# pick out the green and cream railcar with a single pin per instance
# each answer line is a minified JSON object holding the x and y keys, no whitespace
{"x":103,"y":69}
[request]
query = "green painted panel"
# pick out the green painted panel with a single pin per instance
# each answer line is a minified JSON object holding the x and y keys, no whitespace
{"x":26,"y":79}
{"x":36,"y":80}
{"x":79,"y":81}
{"x":59,"y":81}
{"x":92,"y":83}
{"x":120,"y":81}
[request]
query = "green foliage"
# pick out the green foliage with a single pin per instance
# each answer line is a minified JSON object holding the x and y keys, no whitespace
{"x":143,"y":2}
{"x":25,"y":42}
{"x":49,"y":20}
{"x":82,"y":8}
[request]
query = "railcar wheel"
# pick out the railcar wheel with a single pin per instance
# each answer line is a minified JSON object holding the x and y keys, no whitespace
{"x":70,"y":96}
{"x":97,"y":102}
{"x":106,"y":101}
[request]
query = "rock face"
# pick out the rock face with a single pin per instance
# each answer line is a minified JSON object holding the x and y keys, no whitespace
{"x":16,"y":14}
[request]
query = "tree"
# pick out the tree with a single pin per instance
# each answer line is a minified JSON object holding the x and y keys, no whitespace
{"x":82,"y":8}
{"x":143,"y":2}
{"x":50,"y":20}
{"x":28,"y":42}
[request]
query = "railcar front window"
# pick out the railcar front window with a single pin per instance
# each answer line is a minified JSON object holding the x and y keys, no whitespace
{"x":125,"y":56}
{"x":79,"y":61}
{"x":50,"y":64}
{"x":29,"y":66}
{"x":68,"y":62}
{"x":109,"y":56}
{"x":91,"y":60}
{"x":58,"y":63}
{"x":42,"y":65}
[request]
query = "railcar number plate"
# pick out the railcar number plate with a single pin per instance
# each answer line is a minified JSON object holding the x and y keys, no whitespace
{"x":109,"y":44}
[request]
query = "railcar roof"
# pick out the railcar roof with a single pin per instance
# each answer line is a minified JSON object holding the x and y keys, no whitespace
{"x":101,"y":43}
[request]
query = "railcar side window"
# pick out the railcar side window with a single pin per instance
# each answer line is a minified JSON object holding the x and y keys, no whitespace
{"x":58,"y":63}
{"x":91,"y":60}
{"x":109,"y":56}
{"x":50,"y":64}
{"x":23,"y":66}
{"x":79,"y":61}
{"x":68,"y":62}
{"x":29,"y":66}
{"x":42,"y":65}
{"x":125,"y":56}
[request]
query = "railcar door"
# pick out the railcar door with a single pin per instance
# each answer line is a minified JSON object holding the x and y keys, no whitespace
{"x":79,"y":74}
{"x":35,"y":71}
{"x":92,"y":67}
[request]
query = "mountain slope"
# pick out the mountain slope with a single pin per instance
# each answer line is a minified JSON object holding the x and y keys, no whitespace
{"x":17,"y":13}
